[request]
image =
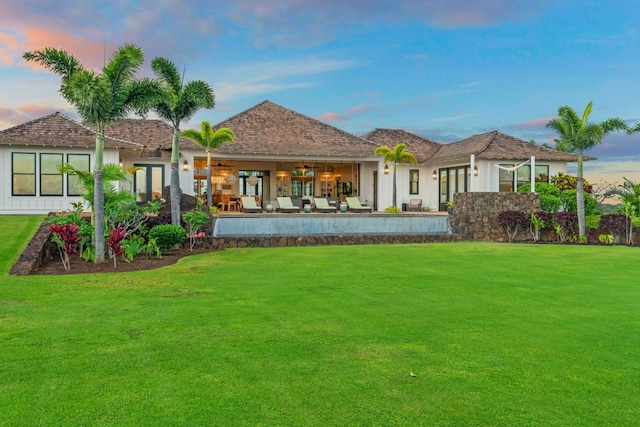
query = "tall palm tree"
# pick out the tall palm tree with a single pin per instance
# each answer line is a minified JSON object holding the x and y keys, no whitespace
{"x":179,"y":103}
{"x":395,"y":155}
{"x":578,"y":135}
{"x":99,"y":98}
{"x":208,"y":139}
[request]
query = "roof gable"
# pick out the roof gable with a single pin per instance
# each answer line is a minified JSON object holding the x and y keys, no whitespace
{"x":270,"y":129}
{"x":496,"y":145}
{"x":421,"y":147}
{"x":57,"y":130}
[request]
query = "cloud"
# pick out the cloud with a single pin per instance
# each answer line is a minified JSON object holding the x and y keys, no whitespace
{"x":348,"y":114}
{"x":10,"y":117}
{"x":274,"y":76}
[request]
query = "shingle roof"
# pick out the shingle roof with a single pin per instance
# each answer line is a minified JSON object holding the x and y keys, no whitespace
{"x":270,"y":129}
{"x":421,"y":147}
{"x":154,"y":134}
{"x":496,"y":145}
{"x":58,"y":130}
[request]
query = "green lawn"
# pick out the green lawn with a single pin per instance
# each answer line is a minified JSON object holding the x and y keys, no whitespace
{"x":496,"y":334}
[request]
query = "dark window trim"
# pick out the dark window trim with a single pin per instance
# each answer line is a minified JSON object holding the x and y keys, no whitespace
{"x":415,"y":172}
{"x":69,"y":193}
{"x":35,"y":171}
{"x":58,"y":174}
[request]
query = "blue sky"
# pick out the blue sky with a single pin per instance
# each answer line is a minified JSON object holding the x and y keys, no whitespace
{"x":443,"y":69}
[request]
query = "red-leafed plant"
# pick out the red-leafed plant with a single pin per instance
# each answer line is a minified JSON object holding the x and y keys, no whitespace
{"x":67,"y":239}
{"x":114,"y":243}
{"x":512,"y":221}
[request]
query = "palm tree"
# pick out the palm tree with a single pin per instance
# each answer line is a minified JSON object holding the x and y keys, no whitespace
{"x":578,"y":135}
{"x":208,"y":139}
{"x":100,"y":99}
{"x":397,"y":154}
{"x":179,"y":103}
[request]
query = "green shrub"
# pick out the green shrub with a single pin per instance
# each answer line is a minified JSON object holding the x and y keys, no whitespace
{"x":541,"y":188}
{"x":549,"y":203}
{"x":592,"y":221}
{"x":569,"y":200}
{"x":168,"y":236}
{"x":392,"y":209}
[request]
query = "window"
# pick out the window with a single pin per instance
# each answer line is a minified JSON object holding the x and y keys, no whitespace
{"x":506,"y":178}
{"x":523,"y":174}
{"x":23,"y":166}
{"x":413,"y":181}
{"x":74,"y":184}
{"x":542,"y":174}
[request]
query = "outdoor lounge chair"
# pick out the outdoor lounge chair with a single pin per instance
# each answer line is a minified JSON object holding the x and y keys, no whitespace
{"x":249,"y":205}
{"x":322,"y":205}
{"x":286,"y":205}
{"x":415,"y":205}
{"x":355,"y":205}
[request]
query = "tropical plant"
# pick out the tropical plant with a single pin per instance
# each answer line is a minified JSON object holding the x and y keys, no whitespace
{"x":537,"y":221}
{"x":395,"y":155}
{"x":616,"y":224}
{"x":627,"y":192}
{"x":512,"y":221}
{"x":578,"y":135}
{"x":67,"y":238}
{"x":179,"y":103}
{"x":392,"y":209}
{"x":208,"y":139}
{"x":565,"y":224}
{"x":114,"y":243}
{"x":195,"y":221}
{"x":569,"y":182}
{"x":100,"y":98}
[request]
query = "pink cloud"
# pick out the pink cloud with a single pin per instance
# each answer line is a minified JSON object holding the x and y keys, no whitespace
{"x":537,"y":124}
{"x":10,"y":117}
{"x":332,"y":117}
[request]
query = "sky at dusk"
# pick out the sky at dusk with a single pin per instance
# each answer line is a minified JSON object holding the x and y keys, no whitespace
{"x":442,"y":69}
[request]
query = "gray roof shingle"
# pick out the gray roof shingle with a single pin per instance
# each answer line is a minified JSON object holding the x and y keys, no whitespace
{"x":421,"y":147}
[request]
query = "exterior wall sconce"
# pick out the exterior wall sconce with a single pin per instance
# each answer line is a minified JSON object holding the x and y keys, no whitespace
{"x":386,"y":169}
{"x":434,"y":175}
{"x":185,"y":165}
{"x":475,"y":171}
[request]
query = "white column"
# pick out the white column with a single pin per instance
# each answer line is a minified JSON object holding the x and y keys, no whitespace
{"x":533,"y":174}
{"x":472,"y":181}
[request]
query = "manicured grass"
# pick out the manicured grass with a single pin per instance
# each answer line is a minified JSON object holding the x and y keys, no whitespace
{"x":497,"y":334}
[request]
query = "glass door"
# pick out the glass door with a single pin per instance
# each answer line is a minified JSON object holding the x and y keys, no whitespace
{"x":148,"y":182}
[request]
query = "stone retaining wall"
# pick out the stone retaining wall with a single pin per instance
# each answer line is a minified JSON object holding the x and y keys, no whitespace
{"x":475,"y":215}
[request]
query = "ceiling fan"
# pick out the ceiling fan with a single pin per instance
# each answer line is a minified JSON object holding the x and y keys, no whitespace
{"x":306,"y":166}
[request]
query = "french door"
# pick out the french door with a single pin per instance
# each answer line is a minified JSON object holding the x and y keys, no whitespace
{"x":148,"y":182}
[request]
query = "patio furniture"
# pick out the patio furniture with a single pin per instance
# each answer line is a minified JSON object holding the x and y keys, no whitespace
{"x":322,"y":205}
{"x":415,"y":205}
{"x":248,"y":204}
{"x":286,"y":205}
{"x":355,"y":205}
{"x":229,"y":204}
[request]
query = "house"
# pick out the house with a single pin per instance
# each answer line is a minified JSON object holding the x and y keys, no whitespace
{"x":277,"y":152}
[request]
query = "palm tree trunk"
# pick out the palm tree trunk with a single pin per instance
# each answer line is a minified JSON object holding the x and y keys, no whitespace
{"x":395,"y":200}
{"x":98,"y":196}
{"x":209,"y":185}
{"x":175,"y":178}
{"x":580,"y":198}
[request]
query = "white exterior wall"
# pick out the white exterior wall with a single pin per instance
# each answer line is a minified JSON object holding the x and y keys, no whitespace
{"x":488,"y":178}
{"x":427,"y":186}
{"x":10,"y":204}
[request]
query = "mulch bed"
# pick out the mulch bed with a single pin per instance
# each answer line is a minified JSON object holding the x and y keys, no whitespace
{"x":79,"y":265}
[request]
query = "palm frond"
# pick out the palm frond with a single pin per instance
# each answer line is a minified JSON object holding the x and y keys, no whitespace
{"x":55,"y":60}
{"x":195,"y":95}
{"x":167,"y":72}
{"x":123,"y":65}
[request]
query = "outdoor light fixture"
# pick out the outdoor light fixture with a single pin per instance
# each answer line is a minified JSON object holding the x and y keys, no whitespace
{"x":386,"y":169}
{"x":434,"y":175}
{"x":185,"y":165}
{"x":475,"y":171}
